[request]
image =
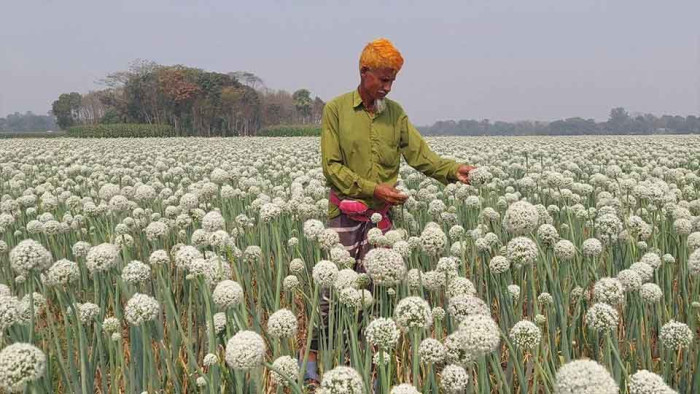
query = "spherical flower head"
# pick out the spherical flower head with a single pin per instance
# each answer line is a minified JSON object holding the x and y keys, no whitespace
{"x":381,"y":53}
{"x":141,"y":308}
{"x":630,"y":279}
{"x":253,"y":254}
{"x":219,"y":322}
{"x":545,"y":299}
{"x":650,"y":293}
{"x":592,"y":247}
{"x":227,"y":294}
{"x":297,"y":266}
{"x":282,"y":324}
{"x":521,"y":218}
{"x":404,"y":388}
{"x":382,"y":333}
{"x":10,"y":310}
{"x":403,"y":248}
{"x":438,"y":313}
{"x":564,"y":250}
{"x":514,"y":291}
{"x":645,"y":271}
{"x":111,"y":324}
{"x":324,"y":273}
{"x":540,"y":319}
{"x":312,"y":228}
{"x":20,"y":364}
{"x":62,"y":273}
{"x":328,"y":238}
{"x":29,"y":255}
{"x":460,"y":286}
{"x":245,"y":350}
{"x":651,"y":258}
{"x":521,"y":251}
{"x":81,"y":249}
{"x":602,"y":317}
{"x":269,"y":212}
{"x":454,"y":379}
{"x":346,"y":278}
{"x":155,"y":230}
{"x":350,"y":297}
{"x":433,"y":239}
{"x":286,"y":369}
{"x":186,"y":255}
{"x":461,"y":306}
{"x":645,"y":382}
{"x":342,"y":380}
{"x":211,"y":359}
{"x":584,"y":377}
{"x":499,"y":265}
{"x":292,"y":242}
{"x":366,"y":298}
{"x":481,"y":335}
{"x":547,"y":234}
{"x":413,"y":313}
{"x":376,"y":217}
{"x":432,"y":351}
{"x":385,"y":266}
{"x":159,"y":257}
{"x":609,"y":291}
{"x":101,"y":258}
{"x":136,"y":272}
{"x":87,"y":312}
{"x":525,"y":334}
{"x":694,"y":263}
{"x":608,"y":226}
{"x":290,"y":283}
{"x":675,"y":335}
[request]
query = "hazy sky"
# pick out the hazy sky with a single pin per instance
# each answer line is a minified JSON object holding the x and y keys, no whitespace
{"x":497,"y":59}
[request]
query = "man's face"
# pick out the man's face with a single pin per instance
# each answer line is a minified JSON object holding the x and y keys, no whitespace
{"x":376,"y":82}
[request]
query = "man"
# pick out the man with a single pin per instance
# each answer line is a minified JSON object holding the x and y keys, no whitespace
{"x":363,"y":137}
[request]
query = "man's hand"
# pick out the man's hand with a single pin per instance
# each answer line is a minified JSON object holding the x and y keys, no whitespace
{"x":463,"y":173}
{"x":389,"y":194}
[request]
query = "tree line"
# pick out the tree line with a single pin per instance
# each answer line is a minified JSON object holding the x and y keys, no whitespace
{"x":619,"y":122}
{"x":27,"y":122}
{"x":191,"y":100}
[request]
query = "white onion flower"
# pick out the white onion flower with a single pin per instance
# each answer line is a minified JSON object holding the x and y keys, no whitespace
{"x":245,"y":350}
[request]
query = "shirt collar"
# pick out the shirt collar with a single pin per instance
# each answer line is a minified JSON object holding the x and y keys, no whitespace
{"x":356,"y":99}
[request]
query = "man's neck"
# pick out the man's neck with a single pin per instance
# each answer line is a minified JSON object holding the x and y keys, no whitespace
{"x":367,"y":102}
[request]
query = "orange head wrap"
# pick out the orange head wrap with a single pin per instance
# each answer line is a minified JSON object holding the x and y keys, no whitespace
{"x":381,"y":53}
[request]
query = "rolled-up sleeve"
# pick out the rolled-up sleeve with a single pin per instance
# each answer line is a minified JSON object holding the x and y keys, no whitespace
{"x":342,"y":178}
{"x":419,"y":155}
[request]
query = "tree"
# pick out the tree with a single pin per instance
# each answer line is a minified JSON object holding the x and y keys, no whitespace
{"x":66,"y":109}
{"x":302,"y":103}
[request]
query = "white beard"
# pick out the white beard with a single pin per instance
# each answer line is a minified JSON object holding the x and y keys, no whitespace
{"x":379,"y":105}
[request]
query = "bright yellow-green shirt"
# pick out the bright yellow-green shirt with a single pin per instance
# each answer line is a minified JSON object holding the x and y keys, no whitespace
{"x":360,"y":150}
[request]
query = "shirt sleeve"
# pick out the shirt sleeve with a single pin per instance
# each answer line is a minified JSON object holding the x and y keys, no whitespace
{"x":419,"y":155}
{"x":342,"y":178}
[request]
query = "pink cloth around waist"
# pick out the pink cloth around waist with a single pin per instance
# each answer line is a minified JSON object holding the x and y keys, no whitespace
{"x":359,"y":211}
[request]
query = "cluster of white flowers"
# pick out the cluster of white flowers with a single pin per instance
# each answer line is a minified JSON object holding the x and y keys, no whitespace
{"x":525,"y":334}
{"x":342,"y":380}
{"x":141,"y":308}
{"x":245,"y":350}
{"x":584,"y":377}
{"x":385,"y":266}
{"x":675,"y":334}
{"x":645,"y":382}
{"x":227,"y":294}
{"x":382,"y":333}
{"x":29,"y":255}
{"x":282,"y":324}
{"x":412,"y":313}
{"x":20,"y":364}
{"x":521,"y":218}
{"x":285,"y":369}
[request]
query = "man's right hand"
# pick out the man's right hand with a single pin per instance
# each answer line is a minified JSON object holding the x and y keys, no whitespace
{"x":389,"y":194}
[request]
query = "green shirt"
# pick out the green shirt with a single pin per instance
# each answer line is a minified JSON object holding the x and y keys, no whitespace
{"x":360,"y":150}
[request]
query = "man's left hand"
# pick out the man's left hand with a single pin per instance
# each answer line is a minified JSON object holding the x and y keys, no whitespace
{"x":463,"y":173}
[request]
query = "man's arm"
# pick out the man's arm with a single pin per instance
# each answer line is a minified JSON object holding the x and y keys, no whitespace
{"x":343,"y":179}
{"x":419,"y":155}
